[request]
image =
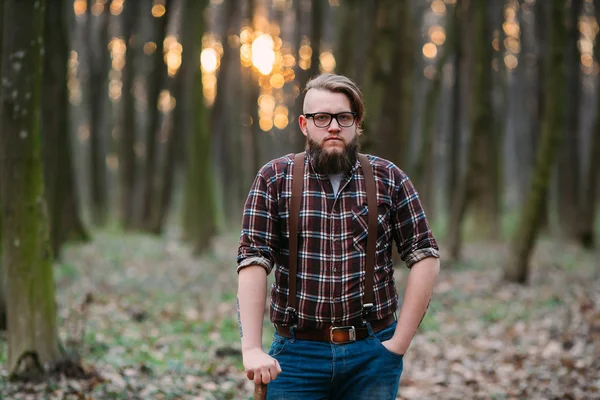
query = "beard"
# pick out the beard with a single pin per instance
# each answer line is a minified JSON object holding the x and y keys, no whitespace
{"x":334,"y":162}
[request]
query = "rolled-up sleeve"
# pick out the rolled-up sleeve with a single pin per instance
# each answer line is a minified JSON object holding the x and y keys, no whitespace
{"x":412,"y":233}
{"x":260,"y":226}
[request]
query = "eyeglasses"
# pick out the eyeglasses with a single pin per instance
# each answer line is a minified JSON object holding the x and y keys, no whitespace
{"x":323,"y":119}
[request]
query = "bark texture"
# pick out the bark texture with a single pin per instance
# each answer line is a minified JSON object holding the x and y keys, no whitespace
{"x":61,"y":196}
{"x":27,"y":256}
{"x":199,"y":209}
{"x":518,"y":264}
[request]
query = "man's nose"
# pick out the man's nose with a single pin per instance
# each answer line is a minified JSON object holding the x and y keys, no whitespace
{"x":334,"y":126}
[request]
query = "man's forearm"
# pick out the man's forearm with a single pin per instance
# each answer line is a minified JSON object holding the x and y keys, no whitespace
{"x":252,"y":294}
{"x":419,"y":288}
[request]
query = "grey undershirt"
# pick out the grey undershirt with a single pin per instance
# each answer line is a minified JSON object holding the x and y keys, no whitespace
{"x":335,"y":180}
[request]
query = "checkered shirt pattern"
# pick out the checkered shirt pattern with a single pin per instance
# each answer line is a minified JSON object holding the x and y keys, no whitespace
{"x":332,"y":239}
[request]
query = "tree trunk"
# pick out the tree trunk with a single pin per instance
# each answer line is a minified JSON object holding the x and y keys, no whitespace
{"x":480,"y":174}
{"x":542,"y":30}
{"x":155,"y":84}
{"x":587,"y":214}
{"x":455,"y":120}
{"x":127,"y":158}
{"x":297,"y":140}
{"x":568,"y":163}
{"x":345,"y":44}
{"x":27,"y":255}
{"x":2,"y":284}
{"x":251,"y":132}
{"x":98,"y":64}
{"x":484,"y":155}
{"x":63,"y":207}
{"x":364,"y":42}
{"x":173,"y":131}
{"x":220,"y":117}
{"x":397,"y":97}
{"x":518,"y":263}
{"x":198,"y":211}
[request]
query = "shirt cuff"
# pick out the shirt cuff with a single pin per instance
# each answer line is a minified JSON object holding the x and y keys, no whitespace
{"x":263,"y":262}
{"x":421,"y":254}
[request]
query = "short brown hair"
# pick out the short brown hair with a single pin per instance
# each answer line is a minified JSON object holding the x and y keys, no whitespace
{"x":340,"y":84}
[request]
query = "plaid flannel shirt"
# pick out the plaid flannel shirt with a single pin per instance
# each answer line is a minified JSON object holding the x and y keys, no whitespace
{"x":332,"y":239}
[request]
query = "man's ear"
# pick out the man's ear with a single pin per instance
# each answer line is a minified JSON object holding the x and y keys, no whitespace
{"x":302,"y":121}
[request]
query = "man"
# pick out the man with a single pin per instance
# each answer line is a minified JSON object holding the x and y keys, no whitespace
{"x":332,"y":343}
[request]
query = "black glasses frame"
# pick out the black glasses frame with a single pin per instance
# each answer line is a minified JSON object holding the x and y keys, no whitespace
{"x":332,"y":116}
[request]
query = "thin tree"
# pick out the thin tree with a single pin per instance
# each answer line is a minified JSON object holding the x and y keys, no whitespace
{"x":27,"y":255}
{"x":587,"y":214}
{"x":369,"y":10}
{"x":393,"y":126}
{"x":425,"y":165}
{"x":455,"y":120}
{"x":199,"y":209}
{"x":2,"y":284}
{"x":302,"y":75}
{"x":220,"y":118}
{"x":568,"y":162}
{"x":127,"y":124}
{"x":479,"y":166}
{"x":251,"y":133}
{"x":98,"y":64}
{"x":517,"y":266}
{"x":63,"y":207}
{"x":173,"y":134}
{"x":155,"y":84}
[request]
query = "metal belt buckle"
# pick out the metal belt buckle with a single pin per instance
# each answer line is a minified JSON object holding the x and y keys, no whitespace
{"x":351,"y":334}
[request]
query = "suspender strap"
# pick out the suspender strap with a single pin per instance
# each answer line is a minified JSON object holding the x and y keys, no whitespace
{"x":297,"y":186}
{"x":371,"y":233}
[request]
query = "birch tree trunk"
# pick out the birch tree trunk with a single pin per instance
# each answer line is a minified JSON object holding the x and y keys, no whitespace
{"x":517,"y":266}
{"x":27,"y":255}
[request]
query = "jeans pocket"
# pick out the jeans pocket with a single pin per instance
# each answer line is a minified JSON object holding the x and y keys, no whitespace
{"x":386,"y":334}
{"x":278,"y":346}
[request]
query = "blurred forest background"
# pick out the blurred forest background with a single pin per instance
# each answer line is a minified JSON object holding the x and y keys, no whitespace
{"x":131,"y":131}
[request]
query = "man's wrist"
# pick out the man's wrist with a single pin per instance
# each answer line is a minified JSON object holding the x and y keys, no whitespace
{"x":249,"y":348}
{"x":399,"y":345}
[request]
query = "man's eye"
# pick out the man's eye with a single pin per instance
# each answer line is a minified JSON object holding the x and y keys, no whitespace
{"x":322,"y":117}
{"x":345,"y":117}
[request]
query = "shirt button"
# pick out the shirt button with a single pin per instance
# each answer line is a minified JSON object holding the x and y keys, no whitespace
{"x":335,"y":239}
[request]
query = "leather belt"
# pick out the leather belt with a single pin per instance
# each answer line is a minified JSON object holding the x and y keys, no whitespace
{"x":337,"y":334}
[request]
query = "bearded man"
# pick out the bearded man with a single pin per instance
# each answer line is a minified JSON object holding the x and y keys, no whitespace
{"x":325,"y":221}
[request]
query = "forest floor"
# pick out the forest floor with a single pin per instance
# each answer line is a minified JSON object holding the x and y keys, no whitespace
{"x":155,"y":323}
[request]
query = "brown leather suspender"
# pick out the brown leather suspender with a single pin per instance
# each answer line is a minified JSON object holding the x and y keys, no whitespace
{"x":371,"y":233}
{"x":297,"y":186}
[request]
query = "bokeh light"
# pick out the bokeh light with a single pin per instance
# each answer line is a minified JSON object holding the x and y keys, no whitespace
{"x":430,"y":50}
{"x":263,"y":56}
{"x":209,"y":60}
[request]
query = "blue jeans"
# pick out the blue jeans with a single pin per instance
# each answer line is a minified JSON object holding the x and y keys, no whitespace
{"x":313,"y":370}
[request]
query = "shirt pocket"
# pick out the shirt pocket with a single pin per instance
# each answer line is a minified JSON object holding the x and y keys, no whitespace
{"x":360,"y":226}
